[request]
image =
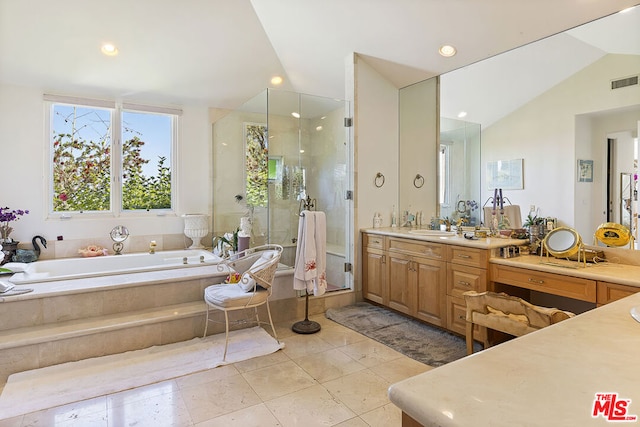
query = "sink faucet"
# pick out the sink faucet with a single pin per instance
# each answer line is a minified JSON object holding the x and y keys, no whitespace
{"x":408,"y":219}
{"x":152,"y":247}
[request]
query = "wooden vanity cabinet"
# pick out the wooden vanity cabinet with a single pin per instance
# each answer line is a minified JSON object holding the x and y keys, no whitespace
{"x":417,"y":279}
{"x":556,"y":284}
{"x":406,"y":275}
{"x":609,"y":292}
{"x":416,"y":287}
{"x":466,"y":271}
{"x":374,"y":269}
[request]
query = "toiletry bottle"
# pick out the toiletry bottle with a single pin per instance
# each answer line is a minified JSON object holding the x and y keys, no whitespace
{"x":377,"y":220}
{"x":394,"y":220}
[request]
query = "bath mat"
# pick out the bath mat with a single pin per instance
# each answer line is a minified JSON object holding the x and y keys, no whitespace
{"x":57,"y":385}
{"x":421,"y":342}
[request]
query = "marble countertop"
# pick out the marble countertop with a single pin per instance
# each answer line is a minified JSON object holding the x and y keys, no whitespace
{"x":546,"y":378}
{"x":453,"y":239}
{"x":607,"y":271}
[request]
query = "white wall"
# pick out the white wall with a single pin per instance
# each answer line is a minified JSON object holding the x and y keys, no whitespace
{"x":24,"y":158}
{"x":376,"y":141}
{"x":548,"y":136}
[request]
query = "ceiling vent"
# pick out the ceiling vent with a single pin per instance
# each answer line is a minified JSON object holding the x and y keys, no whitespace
{"x":627,"y":81}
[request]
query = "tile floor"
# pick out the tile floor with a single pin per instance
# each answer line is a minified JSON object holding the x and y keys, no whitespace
{"x":336,"y":377}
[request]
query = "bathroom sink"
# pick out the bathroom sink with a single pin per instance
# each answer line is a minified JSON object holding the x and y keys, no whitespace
{"x":435,"y":233}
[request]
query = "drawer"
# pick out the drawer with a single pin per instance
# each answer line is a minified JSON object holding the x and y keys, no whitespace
{"x":457,"y":320}
{"x":462,"y":279}
{"x":373,"y":241}
{"x":468,"y":256}
{"x":609,"y":292}
{"x":557,"y":284}
{"x":412,"y":247}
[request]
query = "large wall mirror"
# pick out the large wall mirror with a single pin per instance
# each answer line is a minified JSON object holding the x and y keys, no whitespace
{"x":568,"y":100}
{"x":418,"y":116}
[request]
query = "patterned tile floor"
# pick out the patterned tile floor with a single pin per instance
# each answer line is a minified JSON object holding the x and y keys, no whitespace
{"x":336,"y":377}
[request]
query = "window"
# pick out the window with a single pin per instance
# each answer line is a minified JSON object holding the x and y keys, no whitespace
{"x":107,"y":158}
{"x":256,"y":164}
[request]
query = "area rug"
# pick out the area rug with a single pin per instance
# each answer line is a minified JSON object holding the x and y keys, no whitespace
{"x":57,"y":385}
{"x":421,"y":342}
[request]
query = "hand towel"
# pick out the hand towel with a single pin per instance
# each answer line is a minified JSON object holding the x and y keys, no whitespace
{"x":311,"y":254}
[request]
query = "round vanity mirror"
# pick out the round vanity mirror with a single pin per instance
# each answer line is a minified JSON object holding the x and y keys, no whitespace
{"x":613,"y":234}
{"x":562,"y":242}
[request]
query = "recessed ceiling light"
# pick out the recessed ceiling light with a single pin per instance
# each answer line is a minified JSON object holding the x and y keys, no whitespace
{"x":276,"y":80}
{"x":462,"y":114}
{"x":318,"y":128}
{"x":109,"y":49}
{"x":301,"y":151}
{"x":447,"y":50}
{"x":296,"y":115}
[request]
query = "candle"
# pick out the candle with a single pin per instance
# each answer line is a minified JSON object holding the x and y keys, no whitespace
{"x":495,"y":198}
{"x":501,"y":200}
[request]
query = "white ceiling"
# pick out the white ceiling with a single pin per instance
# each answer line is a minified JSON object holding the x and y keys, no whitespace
{"x":220,"y":53}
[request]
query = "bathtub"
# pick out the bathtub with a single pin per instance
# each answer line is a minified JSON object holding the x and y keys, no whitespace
{"x":78,"y":268}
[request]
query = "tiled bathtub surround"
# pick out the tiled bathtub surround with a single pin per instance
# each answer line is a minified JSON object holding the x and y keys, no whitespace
{"x":75,"y":319}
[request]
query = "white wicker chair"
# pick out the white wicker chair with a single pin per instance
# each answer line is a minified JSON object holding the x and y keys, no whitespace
{"x":257,"y":268}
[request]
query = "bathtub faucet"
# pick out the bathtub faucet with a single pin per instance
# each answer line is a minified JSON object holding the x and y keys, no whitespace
{"x":152,"y":247}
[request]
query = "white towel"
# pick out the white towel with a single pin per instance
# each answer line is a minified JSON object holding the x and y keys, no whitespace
{"x":311,"y":254}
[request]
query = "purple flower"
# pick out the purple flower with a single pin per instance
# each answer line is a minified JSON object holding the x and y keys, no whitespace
{"x":6,"y":216}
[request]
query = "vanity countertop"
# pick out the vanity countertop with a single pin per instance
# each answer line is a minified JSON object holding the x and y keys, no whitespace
{"x":608,"y":271}
{"x":453,"y":239}
{"x":548,"y":377}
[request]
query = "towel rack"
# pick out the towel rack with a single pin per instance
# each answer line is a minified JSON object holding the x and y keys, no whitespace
{"x":307,"y":204}
{"x":306,"y":326}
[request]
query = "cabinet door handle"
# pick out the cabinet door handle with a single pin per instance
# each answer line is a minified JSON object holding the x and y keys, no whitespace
{"x":384,"y":259}
{"x":460,"y":282}
{"x":377,"y":242}
{"x":464,"y":256}
{"x":540,"y":282}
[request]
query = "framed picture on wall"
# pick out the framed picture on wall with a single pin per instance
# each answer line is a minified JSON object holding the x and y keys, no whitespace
{"x":505,"y":174}
{"x":585,"y":170}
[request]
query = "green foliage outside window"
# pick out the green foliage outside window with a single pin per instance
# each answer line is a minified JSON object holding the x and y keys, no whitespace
{"x":82,"y":167}
{"x":256,"y":165}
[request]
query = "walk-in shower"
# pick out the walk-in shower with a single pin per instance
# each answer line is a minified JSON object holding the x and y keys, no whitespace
{"x":274,"y":151}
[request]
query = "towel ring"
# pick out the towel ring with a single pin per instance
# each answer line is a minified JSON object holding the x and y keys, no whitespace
{"x":377,"y":179}
{"x":418,"y":181}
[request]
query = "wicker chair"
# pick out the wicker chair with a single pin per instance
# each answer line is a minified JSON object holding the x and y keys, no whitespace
{"x":256,"y":268}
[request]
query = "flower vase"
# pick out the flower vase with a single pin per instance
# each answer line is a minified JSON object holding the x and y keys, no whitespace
{"x":534,"y":233}
{"x":195,"y":228}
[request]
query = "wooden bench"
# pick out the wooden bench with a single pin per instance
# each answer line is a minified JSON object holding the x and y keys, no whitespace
{"x":508,"y":314}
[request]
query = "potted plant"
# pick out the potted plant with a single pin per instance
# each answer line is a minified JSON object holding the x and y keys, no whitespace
{"x":7,"y":244}
{"x":6,"y":216}
{"x":534,"y":225}
{"x":227,"y":244}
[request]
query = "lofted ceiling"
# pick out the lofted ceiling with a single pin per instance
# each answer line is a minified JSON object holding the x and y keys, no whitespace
{"x":220,"y":53}
{"x":511,"y":79}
